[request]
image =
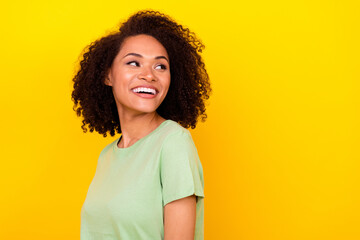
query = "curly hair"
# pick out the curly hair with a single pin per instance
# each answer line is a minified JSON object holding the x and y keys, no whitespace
{"x":189,"y":86}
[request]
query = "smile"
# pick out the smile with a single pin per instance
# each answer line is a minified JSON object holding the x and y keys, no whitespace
{"x":144,"y":90}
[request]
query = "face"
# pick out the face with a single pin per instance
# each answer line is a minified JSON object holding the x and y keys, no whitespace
{"x":139,"y":75}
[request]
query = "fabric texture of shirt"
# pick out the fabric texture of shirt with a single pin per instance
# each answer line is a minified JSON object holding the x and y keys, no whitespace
{"x":131,"y":186}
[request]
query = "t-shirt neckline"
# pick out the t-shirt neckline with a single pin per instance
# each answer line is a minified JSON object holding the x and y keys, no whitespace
{"x":140,"y":140}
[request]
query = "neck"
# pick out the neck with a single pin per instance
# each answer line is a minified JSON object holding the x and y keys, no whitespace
{"x":136,"y":127}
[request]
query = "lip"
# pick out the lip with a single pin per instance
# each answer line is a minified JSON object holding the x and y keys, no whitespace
{"x":146,"y":86}
{"x":144,"y":95}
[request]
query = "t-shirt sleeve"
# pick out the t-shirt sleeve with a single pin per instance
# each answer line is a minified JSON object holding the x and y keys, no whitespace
{"x":180,"y":168}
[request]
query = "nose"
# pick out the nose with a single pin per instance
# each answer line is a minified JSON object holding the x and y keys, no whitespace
{"x":147,"y":74}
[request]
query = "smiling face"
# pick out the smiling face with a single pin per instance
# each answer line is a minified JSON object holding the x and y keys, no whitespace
{"x":139,"y":75}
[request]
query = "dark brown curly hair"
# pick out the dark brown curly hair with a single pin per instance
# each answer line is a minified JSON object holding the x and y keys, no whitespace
{"x":189,"y":86}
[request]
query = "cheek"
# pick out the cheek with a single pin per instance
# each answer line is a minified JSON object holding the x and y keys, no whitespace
{"x":167,"y":81}
{"x":123,"y":78}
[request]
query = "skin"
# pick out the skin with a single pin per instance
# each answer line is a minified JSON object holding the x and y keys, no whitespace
{"x":180,"y":219}
{"x":143,"y":61}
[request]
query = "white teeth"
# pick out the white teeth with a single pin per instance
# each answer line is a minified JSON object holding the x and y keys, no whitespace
{"x":147,"y":90}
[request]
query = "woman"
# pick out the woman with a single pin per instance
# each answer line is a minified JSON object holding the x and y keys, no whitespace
{"x":148,"y":82}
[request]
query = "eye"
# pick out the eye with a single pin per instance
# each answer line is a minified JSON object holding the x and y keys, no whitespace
{"x":133,"y":63}
{"x":161,"y":66}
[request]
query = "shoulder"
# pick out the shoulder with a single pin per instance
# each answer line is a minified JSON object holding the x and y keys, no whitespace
{"x":177,"y":138}
{"x":174,"y":131}
{"x":171,"y":127}
{"x":108,"y":148}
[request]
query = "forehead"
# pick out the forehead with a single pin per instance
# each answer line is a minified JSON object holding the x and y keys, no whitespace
{"x":143,"y":44}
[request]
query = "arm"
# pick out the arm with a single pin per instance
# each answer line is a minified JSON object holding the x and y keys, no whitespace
{"x":180,"y":219}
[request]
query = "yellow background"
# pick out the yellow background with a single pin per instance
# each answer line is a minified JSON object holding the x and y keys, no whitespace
{"x":280,"y":149}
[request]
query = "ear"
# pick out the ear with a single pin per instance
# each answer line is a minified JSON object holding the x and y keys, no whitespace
{"x":108,"y":78}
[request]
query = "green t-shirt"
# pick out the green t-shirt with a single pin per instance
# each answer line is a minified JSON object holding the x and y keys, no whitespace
{"x":131,"y":186}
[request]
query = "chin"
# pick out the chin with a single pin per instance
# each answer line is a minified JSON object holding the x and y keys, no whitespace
{"x":147,"y":109}
{"x":140,"y":107}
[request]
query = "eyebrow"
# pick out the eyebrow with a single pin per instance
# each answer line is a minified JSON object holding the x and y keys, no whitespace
{"x":138,"y":55}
